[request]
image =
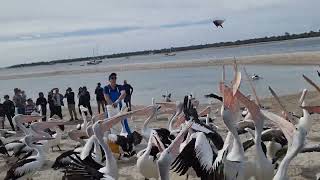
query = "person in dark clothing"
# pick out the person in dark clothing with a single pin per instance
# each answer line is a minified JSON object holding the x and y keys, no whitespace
{"x":100,"y":97}
{"x":2,"y":115}
{"x":71,"y":104}
{"x":42,"y":102}
{"x":86,"y":99}
{"x":80,"y":99}
{"x":58,"y":102}
{"x":9,"y":109}
{"x":51,"y":104}
{"x":129,"y":90}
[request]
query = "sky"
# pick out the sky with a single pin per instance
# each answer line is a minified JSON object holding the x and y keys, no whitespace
{"x":43,"y":30}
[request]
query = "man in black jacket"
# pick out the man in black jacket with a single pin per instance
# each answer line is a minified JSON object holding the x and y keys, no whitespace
{"x":71,"y":104}
{"x":100,"y":97}
{"x":42,"y":101}
{"x":86,"y":99}
{"x":9,"y":110}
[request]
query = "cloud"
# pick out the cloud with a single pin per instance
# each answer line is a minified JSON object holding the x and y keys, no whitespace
{"x":43,"y":30}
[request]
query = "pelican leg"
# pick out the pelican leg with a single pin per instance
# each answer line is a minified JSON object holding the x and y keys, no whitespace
{"x":52,"y":148}
{"x":59,"y":148}
{"x":187,"y":176}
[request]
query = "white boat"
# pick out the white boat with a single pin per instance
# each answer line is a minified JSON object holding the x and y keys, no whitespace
{"x":255,"y":77}
{"x":94,"y":62}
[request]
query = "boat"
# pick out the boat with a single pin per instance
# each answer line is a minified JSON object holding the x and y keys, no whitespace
{"x":255,"y":77}
{"x":94,"y":62}
{"x":170,"y":54}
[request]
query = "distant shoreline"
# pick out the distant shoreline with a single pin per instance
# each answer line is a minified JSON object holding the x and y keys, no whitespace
{"x":300,"y":58}
{"x":229,"y":44}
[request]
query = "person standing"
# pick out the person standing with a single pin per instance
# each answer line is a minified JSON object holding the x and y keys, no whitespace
{"x":30,"y":107}
{"x":129,"y":90}
{"x":58,"y":102}
{"x":9,"y":110}
{"x":42,"y":102}
{"x":51,"y":103}
{"x":2,"y":115}
{"x":19,"y":102}
{"x":86,"y":99}
{"x":71,"y":104}
{"x":100,"y":97}
{"x":114,"y":94}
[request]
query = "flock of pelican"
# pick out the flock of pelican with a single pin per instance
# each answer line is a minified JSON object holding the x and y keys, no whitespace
{"x":191,"y":144}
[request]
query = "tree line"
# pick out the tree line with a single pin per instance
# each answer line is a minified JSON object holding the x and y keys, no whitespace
{"x":286,"y":36}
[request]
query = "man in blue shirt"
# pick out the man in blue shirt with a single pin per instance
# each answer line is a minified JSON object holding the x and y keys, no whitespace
{"x":114,"y":94}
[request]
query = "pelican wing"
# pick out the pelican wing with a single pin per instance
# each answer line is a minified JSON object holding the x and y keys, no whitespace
{"x":204,"y":152}
{"x":19,"y":169}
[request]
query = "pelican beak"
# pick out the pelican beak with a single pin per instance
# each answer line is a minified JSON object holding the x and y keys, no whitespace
{"x":303,"y":96}
{"x":236,"y":80}
{"x":312,"y":109}
{"x":180,"y":120}
{"x":98,"y":117}
{"x":30,"y":119}
{"x":286,"y":127}
{"x":156,"y":141}
{"x":206,"y":111}
{"x":311,"y":83}
{"x":40,"y":138}
{"x":253,"y":108}
{"x":174,"y":146}
{"x":167,"y":105}
{"x":76,"y":134}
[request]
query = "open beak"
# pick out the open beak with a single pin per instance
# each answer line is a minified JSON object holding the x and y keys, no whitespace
{"x":175,"y":145}
{"x":206,"y":111}
{"x":312,"y":109}
{"x":236,"y":80}
{"x":252,"y":107}
{"x":156,"y":141}
{"x":167,"y":105}
{"x":286,"y":127}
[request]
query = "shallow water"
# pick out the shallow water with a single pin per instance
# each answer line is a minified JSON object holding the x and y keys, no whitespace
{"x":179,"y":82}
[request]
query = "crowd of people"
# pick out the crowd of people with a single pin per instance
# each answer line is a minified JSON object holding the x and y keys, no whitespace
{"x":111,"y":94}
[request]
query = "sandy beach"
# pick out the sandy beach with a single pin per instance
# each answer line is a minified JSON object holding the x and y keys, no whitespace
{"x":299,"y":58}
{"x":304,"y":166}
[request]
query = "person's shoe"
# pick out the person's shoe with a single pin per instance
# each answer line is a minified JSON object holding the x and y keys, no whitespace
{"x":71,"y":119}
{"x":77,"y":119}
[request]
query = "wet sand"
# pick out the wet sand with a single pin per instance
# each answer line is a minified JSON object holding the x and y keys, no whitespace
{"x":304,"y":166}
{"x":300,"y":58}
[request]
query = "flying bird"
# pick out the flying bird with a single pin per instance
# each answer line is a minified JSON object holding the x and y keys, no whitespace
{"x":218,"y":22}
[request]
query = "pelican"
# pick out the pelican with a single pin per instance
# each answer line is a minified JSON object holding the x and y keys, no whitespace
{"x":218,"y":22}
{"x":263,"y":167}
{"x":297,"y":137}
{"x":27,"y":167}
{"x":147,"y":158}
{"x":170,"y":153}
{"x":84,"y":114}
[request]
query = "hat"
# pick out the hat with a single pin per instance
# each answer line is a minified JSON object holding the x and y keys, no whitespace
{"x":69,"y":89}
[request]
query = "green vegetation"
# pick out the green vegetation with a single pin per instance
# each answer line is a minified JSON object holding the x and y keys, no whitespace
{"x":286,"y":36}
